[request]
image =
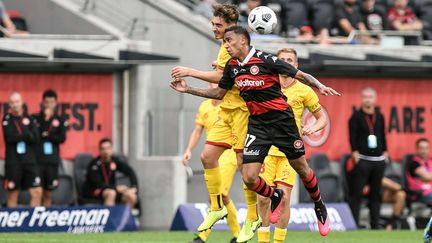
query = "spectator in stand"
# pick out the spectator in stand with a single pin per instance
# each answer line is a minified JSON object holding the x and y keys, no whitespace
{"x":393,"y":193}
{"x":373,"y":18}
{"x":52,"y":131}
{"x":419,"y":171}
{"x":244,"y":14}
{"x":403,"y":18}
{"x":6,"y":22}
{"x":348,"y":19}
{"x":369,"y":152}
{"x":21,"y":137}
{"x":101,"y":178}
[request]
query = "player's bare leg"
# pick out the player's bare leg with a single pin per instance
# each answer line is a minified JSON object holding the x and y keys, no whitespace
{"x":12,"y":199}
{"x":255,"y":183}
{"x":264,"y":230}
{"x":109,"y":196}
{"x":311,"y":184}
{"x":47,"y":198}
{"x":210,"y":157}
{"x":282,"y":224}
{"x":35,"y":196}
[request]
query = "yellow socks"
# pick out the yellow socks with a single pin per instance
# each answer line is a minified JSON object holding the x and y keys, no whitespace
{"x":264,"y":234}
{"x":279,"y":235}
{"x":251,"y":201}
{"x":232,"y":219}
{"x":204,"y":235}
{"x":212,"y":178}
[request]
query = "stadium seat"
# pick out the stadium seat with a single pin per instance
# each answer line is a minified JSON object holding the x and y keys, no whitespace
{"x":63,"y":195}
{"x":322,"y":14}
{"x":320,"y":163}
{"x":330,"y":183}
{"x":80,"y":171}
{"x":294,"y":15}
{"x":346,"y":167}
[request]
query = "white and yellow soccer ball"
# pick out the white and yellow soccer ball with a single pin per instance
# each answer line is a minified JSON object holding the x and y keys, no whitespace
{"x":262,"y":20}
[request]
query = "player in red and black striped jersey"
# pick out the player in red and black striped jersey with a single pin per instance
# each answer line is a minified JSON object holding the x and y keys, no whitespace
{"x":271,"y":120}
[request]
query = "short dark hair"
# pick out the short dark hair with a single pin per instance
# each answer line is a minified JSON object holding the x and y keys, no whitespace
{"x":240,"y":31}
{"x":421,"y":140}
{"x":228,"y":12}
{"x":104,"y":140}
{"x":49,"y":93}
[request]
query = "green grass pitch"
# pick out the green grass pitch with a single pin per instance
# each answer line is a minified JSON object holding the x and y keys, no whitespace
{"x":216,"y":237}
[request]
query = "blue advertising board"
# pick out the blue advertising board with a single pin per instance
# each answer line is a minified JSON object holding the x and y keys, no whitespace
{"x":67,"y":219}
{"x":190,"y":216}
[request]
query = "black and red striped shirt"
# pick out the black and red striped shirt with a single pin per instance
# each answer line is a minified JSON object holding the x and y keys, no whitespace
{"x":257,"y":78}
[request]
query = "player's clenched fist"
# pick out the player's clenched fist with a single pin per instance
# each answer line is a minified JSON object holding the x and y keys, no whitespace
{"x":180,"y":72}
{"x":179,"y":85}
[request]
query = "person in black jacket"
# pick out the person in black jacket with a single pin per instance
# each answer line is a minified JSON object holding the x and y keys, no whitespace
{"x":21,"y":137}
{"x":369,"y":151}
{"x":101,"y":178}
{"x":52,"y":131}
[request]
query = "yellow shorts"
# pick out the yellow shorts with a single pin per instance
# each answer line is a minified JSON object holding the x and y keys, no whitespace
{"x":230,"y":129}
{"x":277,"y":170}
{"x":228,"y":168}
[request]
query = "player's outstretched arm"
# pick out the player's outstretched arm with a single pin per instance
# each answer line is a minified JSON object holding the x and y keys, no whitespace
{"x":181,"y":86}
{"x":208,"y":76}
{"x":313,"y":82}
{"x":193,"y":141}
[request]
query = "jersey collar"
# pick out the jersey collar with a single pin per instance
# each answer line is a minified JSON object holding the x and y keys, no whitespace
{"x":248,"y":57}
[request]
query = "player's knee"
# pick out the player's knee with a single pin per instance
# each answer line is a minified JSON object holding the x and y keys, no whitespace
{"x":109,"y":193}
{"x":249,"y":178}
{"x":36,"y":192}
{"x":225,"y":199}
{"x":206,"y":158}
{"x":401,"y":195}
{"x":300,"y":166}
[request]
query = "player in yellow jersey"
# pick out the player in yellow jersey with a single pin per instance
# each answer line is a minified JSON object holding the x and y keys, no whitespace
{"x":229,"y":132}
{"x":207,"y":116}
{"x":276,"y":170}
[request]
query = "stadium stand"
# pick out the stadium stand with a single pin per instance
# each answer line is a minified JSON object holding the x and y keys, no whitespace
{"x":330,"y":182}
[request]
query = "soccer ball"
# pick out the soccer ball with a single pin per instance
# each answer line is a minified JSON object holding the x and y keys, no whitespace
{"x":262,"y":20}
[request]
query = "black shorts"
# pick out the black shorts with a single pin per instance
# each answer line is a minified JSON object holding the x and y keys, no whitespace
{"x":283,"y":134}
{"x":49,"y":176}
{"x":21,"y":177}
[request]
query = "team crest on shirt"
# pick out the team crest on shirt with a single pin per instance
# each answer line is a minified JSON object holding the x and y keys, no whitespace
{"x":55,"y":123}
{"x":254,"y":70}
{"x":26,"y":121}
{"x":11,"y":185}
{"x":113,"y":166}
{"x":298,"y":144}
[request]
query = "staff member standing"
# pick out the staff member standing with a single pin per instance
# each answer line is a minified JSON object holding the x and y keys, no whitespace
{"x":52,"y":130}
{"x":369,"y":151}
{"x":21,"y":137}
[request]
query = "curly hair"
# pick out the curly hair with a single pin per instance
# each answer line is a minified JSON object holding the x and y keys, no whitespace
{"x":227,"y":12}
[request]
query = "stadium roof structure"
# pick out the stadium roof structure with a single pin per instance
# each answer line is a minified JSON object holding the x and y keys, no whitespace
{"x":69,"y":61}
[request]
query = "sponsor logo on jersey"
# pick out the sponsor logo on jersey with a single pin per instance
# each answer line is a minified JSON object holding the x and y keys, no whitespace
{"x":320,"y":137}
{"x":246,"y":151}
{"x":254,"y":70}
{"x":249,"y":83}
